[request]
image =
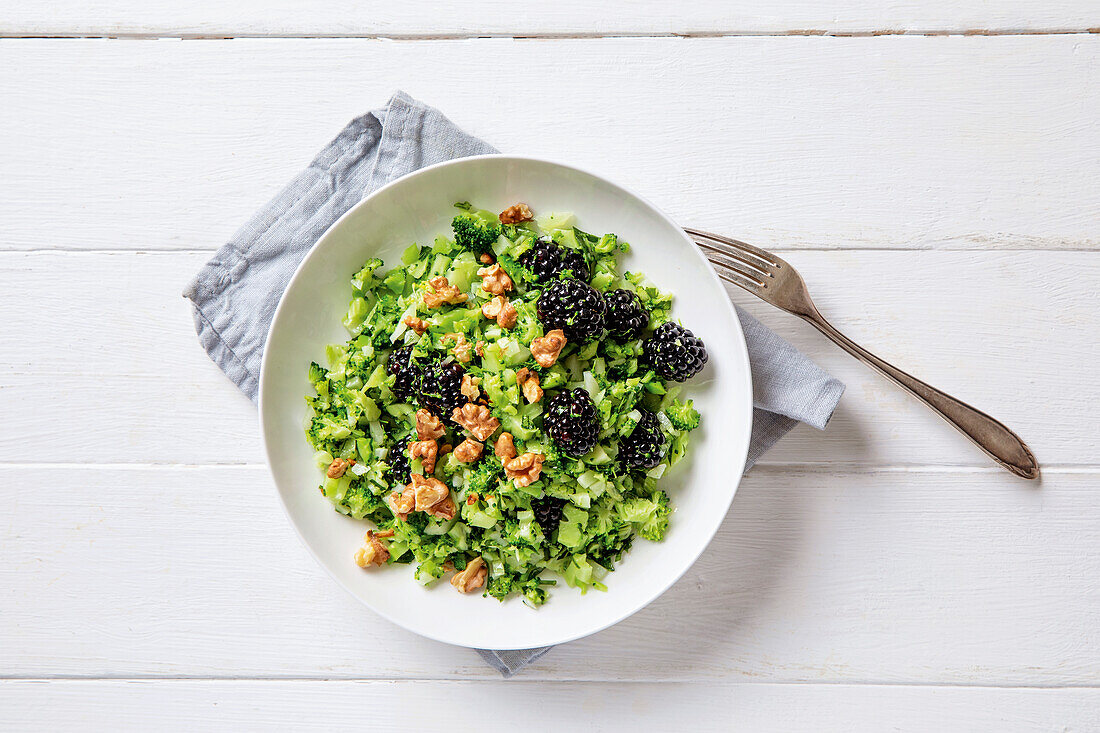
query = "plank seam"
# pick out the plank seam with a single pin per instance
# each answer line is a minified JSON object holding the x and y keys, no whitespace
{"x":519,"y":36}
{"x":466,"y":680}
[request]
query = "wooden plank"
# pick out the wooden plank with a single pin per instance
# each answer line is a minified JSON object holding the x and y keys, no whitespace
{"x":795,"y":142}
{"x":187,"y":705}
{"x":570,"y":17}
{"x":108,"y":368}
{"x":953,"y":577}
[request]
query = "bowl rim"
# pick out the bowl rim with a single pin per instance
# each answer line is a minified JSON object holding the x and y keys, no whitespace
{"x":739,"y":452}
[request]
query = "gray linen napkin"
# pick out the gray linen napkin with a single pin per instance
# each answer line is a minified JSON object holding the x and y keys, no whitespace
{"x":236,"y":292}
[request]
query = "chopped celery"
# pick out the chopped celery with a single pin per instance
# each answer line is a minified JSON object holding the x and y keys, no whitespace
{"x":551,"y":221}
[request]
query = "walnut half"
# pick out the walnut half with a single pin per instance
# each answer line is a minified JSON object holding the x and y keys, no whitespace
{"x":428,"y":491}
{"x":469,"y":387}
{"x":476,"y":419}
{"x":426,"y":451}
{"x":472,"y":577}
{"x":373,"y":552}
{"x":445,"y":509}
{"x":547,"y":349}
{"x":500,"y":310}
{"x":442,"y":292}
{"x":339,"y":467}
{"x":433,"y":497}
{"x":462,"y":347}
{"x":468,"y":450}
{"x":516,"y":213}
{"x":528,"y":381}
{"x":419,"y":325}
{"x":494,"y":279}
{"x":525,"y":469}
{"x":404,"y":502}
{"x":505,"y":448}
{"x":428,"y":426}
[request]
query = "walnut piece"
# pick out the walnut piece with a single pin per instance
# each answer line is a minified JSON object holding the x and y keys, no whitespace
{"x":505,"y":448}
{"x":528,"y":381}
{"x":442,"y":292}
{"x":477,"y":420}
{"x":472,"y":577}
{"x":462,"y":347}
{"x":338,"y":467}
{"x":508,"y":315}
{"x":428,"y":426}
{"x":500,"y":310}
{"x":516,"y":213}
{"x":373,"y":552}
{"x":485,"y":259}
{"x":445,"y":449}
{"x":404,"y":502}
{"x":426,"y":451}
{"x":429,"y":491}
{"x":524,"y":469}
{"x":468,"y":450}
{"x":547,"y":349}
{"x":416,"y":324}
{"x":479,"y":348}
{"x":445,"y":509}
{"x":469,"y":388}
{"x":494,"y":280}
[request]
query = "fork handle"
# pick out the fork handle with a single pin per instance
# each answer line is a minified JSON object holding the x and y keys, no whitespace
{"x":1000,"y":443}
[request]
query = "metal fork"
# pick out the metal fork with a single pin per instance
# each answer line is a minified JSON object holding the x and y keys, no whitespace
{"x":774,"y":281}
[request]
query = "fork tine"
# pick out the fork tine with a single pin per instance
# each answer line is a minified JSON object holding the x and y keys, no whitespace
{"x":735,"y":267}
{"x":755,"y":266}
{"x":736,"y":278}
{"x":738,"y":245}
{"x":728,"y":271}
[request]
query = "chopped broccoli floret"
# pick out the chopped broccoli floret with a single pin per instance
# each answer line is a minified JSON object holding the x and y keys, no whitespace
{"x":683,"y":415}
{"x":365,"y":279}
{"x":649,"y":516}
{"x":328,"y":433}
{"x":500,"y":587}
{"x":485,"y":477}
{"x":475,"y":232}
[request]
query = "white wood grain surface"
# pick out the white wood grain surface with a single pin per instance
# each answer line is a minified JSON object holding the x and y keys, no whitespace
{"x":757,"y":708}
{"x":938,"y":193}
{"x":900,"y":576}
{"x":891,"y":142}
{"x":415,"y":18}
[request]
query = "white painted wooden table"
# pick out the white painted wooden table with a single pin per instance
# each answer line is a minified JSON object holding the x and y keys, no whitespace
{"x":932,"y":170}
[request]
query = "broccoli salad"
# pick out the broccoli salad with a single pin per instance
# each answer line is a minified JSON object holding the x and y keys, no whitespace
{"x":506,"y":406}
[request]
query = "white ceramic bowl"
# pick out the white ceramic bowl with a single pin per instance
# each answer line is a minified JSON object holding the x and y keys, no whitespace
{"x":417,"y":208}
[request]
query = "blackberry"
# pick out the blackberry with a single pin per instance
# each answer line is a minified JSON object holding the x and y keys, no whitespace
{"x":643,"y":447}
{"x":626,"y":316}
{"x":674,"y":352}
{"x":398,"y":461}
{"x":548,"y":512}
{"x":574,"y":261}
{"x":576,"y":308}
{"x":440,"y":388}
{"x":401,"y":365}
{"x":543,"y":259}
{"x":570,"y":420}
{"x":547,"y":260}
